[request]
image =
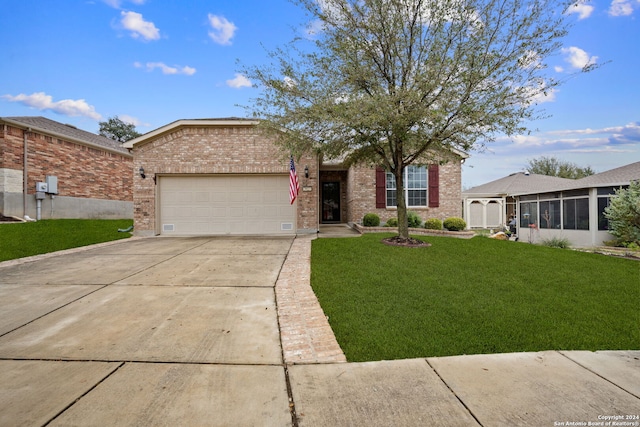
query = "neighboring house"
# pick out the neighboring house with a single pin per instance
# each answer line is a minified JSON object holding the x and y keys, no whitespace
{"x":225,"y":176}
{"x":88,"y":175}
{"x":492,"y":205}
{"x":572,"y":209}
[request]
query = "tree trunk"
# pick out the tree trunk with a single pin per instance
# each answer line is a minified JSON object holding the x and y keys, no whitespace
{"x":403,"y":223}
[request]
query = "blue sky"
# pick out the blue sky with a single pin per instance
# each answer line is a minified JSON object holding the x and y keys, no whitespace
{"x":152,"y":62}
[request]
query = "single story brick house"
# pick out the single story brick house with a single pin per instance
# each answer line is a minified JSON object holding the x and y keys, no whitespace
{"x":226,"y":176}
{"x":564,"y":208}
{"x":53,"y":170}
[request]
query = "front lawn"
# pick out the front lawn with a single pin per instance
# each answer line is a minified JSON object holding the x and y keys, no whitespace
{"x":33,"y":238}
{"x":473,"y":296}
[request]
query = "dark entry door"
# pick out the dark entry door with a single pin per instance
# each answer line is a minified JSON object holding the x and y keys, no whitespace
{"x":330,"y":202}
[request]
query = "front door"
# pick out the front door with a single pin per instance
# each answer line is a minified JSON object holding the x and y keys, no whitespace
{"x":330,"y":202}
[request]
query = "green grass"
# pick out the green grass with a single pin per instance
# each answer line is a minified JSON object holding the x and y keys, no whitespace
{"x":472,"y":297}
{"x":33,"y":238}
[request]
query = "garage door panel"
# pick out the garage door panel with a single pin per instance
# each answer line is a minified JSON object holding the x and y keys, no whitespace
{"x":280,"y":198}
{"x":254,"y":212}
{"x":184,"y":197}
{"x":252,"y":204}
{"x":219,"y":196}
{"x":201,"y":197}
{"x":237,"y":211}
{"x":273,"y":211}
{"x":202,"y":212}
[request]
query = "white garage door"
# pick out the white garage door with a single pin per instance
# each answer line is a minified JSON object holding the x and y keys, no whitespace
{"x":226,"y":204}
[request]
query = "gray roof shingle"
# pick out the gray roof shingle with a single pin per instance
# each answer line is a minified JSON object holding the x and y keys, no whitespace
{"x":44,"y":125}
{"x":518,"y":183}
{"x":611,"y":178}
{"x":521,"y":183}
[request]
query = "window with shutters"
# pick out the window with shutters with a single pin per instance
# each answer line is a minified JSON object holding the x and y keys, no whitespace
{"x":415,"y":187}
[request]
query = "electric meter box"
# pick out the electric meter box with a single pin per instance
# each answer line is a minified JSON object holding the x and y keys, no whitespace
{"x":52,"y":184}
{"x":41,"y":187}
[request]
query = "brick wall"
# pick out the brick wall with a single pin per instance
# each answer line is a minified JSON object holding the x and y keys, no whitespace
{"x":82,"y":171}
{"x":361,"y":197}
{"x":217,"y":149}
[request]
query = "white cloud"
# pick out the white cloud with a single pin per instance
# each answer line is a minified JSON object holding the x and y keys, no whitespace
{"x":600,"y":148}
{"x":583,"y":10}
{"x":314,"y":28}
{"x":538,"y":92}
{"x":527,"y":140}
{"x":289,"y":82}
{"x":578,"y":58}
{"x":239,"y":81}
{"x":623,"y":7}
{"x":222,"y":29}
{"x":133,"y":120}
{"x":135,"y":23}
{"x":531,"y":59}
{"x":548,"y":95}
{"x":615,"y":135}
{"x":117,"y":3}
{"x":67,"y":107}
{"x":150,"y":66}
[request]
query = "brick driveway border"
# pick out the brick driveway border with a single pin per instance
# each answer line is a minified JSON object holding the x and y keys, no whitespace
{"x":304,"y":329}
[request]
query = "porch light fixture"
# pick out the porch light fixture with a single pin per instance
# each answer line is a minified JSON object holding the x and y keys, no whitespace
{"x":306,"y":171}
{"x":141,"y":170}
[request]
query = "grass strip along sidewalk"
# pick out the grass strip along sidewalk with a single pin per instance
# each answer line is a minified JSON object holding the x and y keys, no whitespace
{"x":473,"y":296}
{"x":18,"y":240}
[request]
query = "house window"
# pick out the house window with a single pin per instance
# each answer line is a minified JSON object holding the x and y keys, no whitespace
{"x":528,"y":214}
{"x":603,"y":222}
{"x":415,"y":191}
{"x":604,"y":199}
{"x":550,"y":214}
{"x":391,"y":190}
{"x":575,"y":214}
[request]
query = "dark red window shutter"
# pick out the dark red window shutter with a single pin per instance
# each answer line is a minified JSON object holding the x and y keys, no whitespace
{"x":381,"y":188}
{"x":434,"y":186}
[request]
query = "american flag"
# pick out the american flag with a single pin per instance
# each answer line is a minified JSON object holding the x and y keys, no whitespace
{"x":294,"y":185}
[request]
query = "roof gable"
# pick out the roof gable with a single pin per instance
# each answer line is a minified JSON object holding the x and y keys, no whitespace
{"x":231,"y":121}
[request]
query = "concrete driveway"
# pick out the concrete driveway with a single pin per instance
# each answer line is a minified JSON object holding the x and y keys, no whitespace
{"x":160,"y":331}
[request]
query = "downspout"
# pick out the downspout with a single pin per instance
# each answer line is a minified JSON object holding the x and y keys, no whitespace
{"x":25,"y":173}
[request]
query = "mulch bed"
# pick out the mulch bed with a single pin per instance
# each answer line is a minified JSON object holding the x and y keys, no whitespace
{"x":406,"y":243}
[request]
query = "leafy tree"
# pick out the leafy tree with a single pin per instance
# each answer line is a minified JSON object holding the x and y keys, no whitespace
{"x":116,"y":129}
{"x":623,"y":214}
{"x":400,"y":82}
{"x":553,"y":167}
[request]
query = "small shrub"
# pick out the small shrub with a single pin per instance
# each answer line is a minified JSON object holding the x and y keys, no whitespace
{"x":454,"y":224}
{"x":556,"y":242}
{"x":371,"y":220}
{"x":413,"y":219}
{"x":433,"y":224}
{"x":392,"y":222}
